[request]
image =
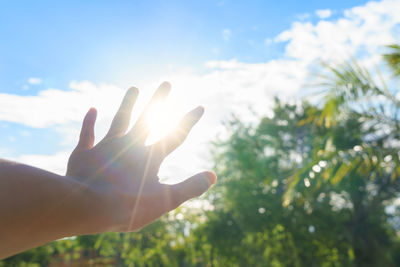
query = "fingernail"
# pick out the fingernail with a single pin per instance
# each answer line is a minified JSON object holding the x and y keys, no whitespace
{"x":163,"y":90}
{"x":197,"y":112}
{"x":211,"y":177}
{"x":133,"y":91}
{"x":91,"y":115}
{"x":92,"y":111}
{"x":166,"y":85}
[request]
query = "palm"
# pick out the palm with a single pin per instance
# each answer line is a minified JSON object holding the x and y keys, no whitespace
{"x":122,"y":165}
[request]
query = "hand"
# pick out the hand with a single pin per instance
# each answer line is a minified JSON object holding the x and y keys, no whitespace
{"x":124,"y":171}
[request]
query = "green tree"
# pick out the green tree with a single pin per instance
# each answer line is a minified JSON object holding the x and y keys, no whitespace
{"x":255,"y":166}
{"x":334,"y":166}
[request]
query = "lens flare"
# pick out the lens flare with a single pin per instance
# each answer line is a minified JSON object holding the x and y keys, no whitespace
{"x":162,"y":118}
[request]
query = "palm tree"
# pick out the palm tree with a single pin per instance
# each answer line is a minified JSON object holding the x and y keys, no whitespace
{"x":393,"y":58}
{"x":360,"y":153}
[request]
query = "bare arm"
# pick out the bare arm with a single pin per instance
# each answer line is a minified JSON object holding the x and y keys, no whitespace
{"x":37,"y":207}
{"x":111,"y":186}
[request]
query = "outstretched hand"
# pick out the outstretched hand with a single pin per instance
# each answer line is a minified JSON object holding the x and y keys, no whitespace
{"x":124,"y":171}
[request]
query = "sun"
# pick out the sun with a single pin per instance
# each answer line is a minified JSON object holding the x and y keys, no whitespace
{"x":162,"y":118}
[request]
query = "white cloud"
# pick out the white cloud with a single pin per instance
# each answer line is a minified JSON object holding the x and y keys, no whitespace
{"x":34,"y":80}
{"x":226,"y":34}
{"x":56,"y":163}
{"x":323,"y":13}
{"x":268,"y":41}
{"x":25,"y":133}
{"x":303,"y":16}
{"x":226,"y":87}
{"x":54,"y":106}
{"x":361,"y":32}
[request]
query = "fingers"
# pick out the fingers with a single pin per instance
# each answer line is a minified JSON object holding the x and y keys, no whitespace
{"x":140,"y":131}
{"x":86,"y":138}
{"x":175,"y":195}
{"x":177,"y":137}
{"x":121,"y":120}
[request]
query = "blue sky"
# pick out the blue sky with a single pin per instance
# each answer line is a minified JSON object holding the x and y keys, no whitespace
{"x":121,"y":41}
{"x":57,"y":58}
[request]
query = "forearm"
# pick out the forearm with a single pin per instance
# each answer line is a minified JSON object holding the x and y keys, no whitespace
{"x":37,"y":207}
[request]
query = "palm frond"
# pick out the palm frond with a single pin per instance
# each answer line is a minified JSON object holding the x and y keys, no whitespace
{"x":393,"y":58}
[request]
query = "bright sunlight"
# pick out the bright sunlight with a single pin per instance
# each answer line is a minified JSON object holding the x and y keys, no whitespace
{"x":163,"y":118}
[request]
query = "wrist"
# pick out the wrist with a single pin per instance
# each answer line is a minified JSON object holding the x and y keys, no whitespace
{"x":101,"y":209}
{"x":89,"y":208}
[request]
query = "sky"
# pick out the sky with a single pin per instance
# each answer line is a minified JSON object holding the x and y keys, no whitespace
{"x":59,"y":58}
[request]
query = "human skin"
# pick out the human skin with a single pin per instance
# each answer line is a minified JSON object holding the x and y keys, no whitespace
{"x":110,"y":186}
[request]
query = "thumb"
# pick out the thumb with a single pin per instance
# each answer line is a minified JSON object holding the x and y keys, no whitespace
{"x":190,"y":188}
{"x":86,"y":138}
